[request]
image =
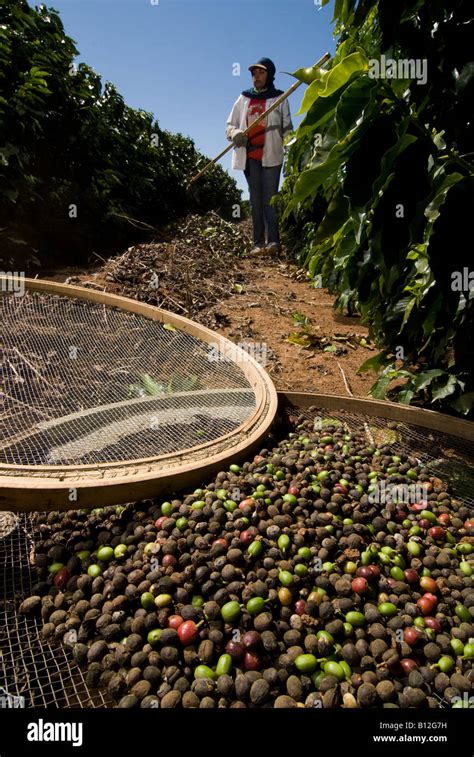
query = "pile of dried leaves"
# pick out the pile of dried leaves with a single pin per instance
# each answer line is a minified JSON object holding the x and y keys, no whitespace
{"x":190,"y":273}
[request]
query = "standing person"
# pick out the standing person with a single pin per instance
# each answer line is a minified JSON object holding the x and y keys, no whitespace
{"x":260,"y":154}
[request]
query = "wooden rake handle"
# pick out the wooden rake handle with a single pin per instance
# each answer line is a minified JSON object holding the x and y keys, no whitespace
{"x":277,"y":102}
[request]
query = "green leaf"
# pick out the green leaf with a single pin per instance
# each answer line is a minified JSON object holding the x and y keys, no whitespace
{"x":38,"y":73}
{"x":445,"y":390}
{"x":397,"y":308}
{"x":374,"y":363}
{"x":407,"y":313}
{"x":464,"y":404}
{"x":403,"y":141}
{"x":335,"y":218}
{"x":380,"y":388}
{"x":300,"y":318}
{"x":432,"y":210}
{"x":338,"y":9}
{"x":360,"y":152}
{"x":311,"y":179}
{"x":425,"y":378}
{"x":336,"y":78}
{"x":342,"y":10}
{"x":319,"y":113}
{"x":430,"y":320}
{"x":352,"y":103}
{"x":300,"y":339}
{"x":151,"y":386}
{"x":308,"y":75}
{"x":405,"y":396}
{"x":439,"y":141}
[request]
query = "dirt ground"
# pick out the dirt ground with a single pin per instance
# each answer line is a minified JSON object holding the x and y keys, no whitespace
{"x":261,"y":315}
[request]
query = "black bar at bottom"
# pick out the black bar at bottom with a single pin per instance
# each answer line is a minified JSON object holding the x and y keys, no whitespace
{"x":215,"y":732}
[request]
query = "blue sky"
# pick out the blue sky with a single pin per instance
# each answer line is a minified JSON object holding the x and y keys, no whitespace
{"x":175,"y":58}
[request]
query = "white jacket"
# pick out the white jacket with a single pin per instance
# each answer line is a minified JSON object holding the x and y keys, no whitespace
{"x":278,"y":123}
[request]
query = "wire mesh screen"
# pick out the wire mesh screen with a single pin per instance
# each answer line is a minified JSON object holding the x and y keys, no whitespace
{"x":448,"y":457}
{"x":83,"y":383}
{"x":34,"y":671}
{"x":44,"y":672}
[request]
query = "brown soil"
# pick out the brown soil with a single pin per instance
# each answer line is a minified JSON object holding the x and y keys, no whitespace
{"x":261,"y":315}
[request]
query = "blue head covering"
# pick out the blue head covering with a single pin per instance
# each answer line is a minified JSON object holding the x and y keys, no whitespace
{"x":270,"y":90}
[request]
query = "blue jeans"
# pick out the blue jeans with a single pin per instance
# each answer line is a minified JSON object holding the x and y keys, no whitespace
{"x":263,"y":184}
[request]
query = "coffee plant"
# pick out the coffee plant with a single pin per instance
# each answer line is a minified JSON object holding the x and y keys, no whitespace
{"x":378,"y":197}
{"x":79,"y":169}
